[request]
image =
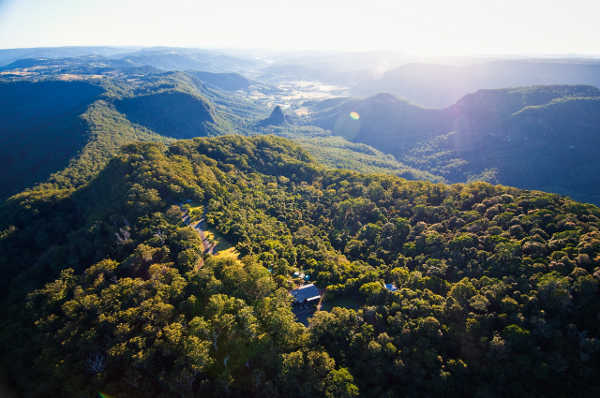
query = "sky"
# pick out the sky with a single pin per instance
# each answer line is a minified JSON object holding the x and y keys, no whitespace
{"x":416,"y":27}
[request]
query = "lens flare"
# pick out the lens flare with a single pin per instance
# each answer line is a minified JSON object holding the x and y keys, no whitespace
{"x":354,"y":115}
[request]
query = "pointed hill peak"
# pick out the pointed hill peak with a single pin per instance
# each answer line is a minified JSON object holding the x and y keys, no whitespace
{"x":277,"y":118}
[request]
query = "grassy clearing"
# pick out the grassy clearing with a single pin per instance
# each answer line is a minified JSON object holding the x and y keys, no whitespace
{"x":228,"y":253}
{"x":196,"y":212}
{"x":224,"y":247}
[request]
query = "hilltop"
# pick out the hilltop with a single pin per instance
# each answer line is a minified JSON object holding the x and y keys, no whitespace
{"x":277,"y":118}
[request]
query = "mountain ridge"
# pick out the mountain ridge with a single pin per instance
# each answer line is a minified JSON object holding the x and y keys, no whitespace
{"x":466,"y":140}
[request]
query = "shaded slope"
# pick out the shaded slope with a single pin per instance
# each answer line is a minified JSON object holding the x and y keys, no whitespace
{"x":551,"y":147}
{"x":384,"y":122}
{"x":108,"y":130}
{"x":40,"y":130}
{"x":487,"y":109}
{"x":510,"y":136}
{"x":63,"y":133}
{"x":172,"y":114}
{"x":532,"y":138}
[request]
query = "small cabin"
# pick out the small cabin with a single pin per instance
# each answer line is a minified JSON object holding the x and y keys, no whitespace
{"x":306,"y":294}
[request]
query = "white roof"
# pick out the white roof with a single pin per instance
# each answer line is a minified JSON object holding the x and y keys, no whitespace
{"x":306,"y":293}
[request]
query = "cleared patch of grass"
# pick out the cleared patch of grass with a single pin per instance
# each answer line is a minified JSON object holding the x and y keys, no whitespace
{"x":196,"y":212}
{"x":223,"y":247}
{"x":228,"y":253}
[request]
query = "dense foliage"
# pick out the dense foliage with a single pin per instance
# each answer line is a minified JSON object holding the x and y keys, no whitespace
{"x":338,"y":152}
{"x":173,"y":114}
{"x":107,"y":290}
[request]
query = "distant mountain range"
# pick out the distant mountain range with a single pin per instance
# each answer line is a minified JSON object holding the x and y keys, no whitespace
{"x":433,"y":85}
{"x":10,"y":55}
{"x":537,"y":137}
{"x":162,"y":58}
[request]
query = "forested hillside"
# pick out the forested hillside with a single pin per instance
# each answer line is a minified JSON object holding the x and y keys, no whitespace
{"x":534,"y":137}
{"x":106,"y":290}
{"x":548,"y":147}
{"x":172,"y":114}
{"x":37,"y":139}
{"x":384,"y":121}
{"x":224,"y":81}
{"x":61,"y":131}
{"x":63,"y":119}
